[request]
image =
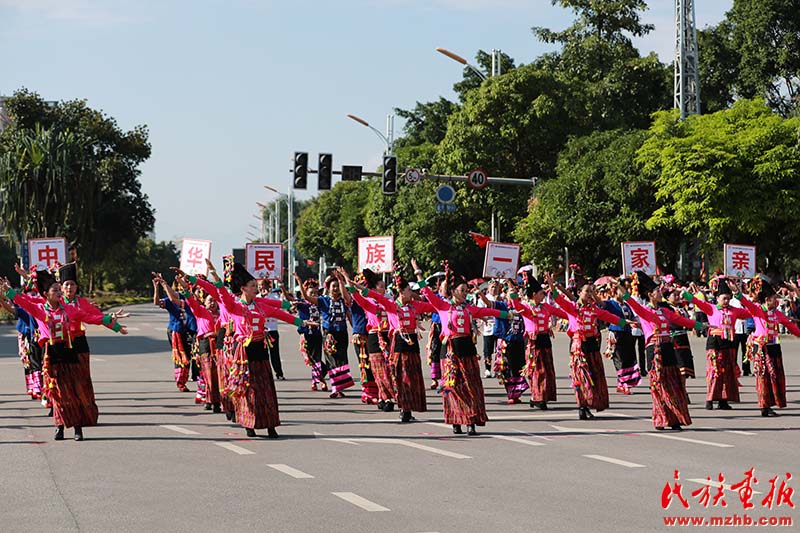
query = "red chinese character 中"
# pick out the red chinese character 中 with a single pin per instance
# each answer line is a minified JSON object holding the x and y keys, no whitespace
{"x":47,"y":255}
{"x":740,"y":260}
{"x":745,"y":489}
{"x":376,"y":253}
{"x":265,"y":259}
{"x":640,"y":258}
{"x":674,"y":490}
{"x":785,"y":493}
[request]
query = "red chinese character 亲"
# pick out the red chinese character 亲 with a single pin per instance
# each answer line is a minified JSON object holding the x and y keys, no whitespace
{"x":48,"y":255}
{"x":740,"y":261}
{"x":376,"y":253}
{"x":784,"y":495}
{"x":639,"y":258}
{"x":745,"y":488}
{"x":265,"y":259}
{"x":674,"y":490}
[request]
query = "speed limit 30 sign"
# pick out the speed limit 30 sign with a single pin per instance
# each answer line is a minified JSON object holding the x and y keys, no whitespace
{"x":477,"y":179}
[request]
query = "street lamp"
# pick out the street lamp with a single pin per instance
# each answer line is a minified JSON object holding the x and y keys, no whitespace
{"x":458,"y":58}
{"x":388,"y":139}
{"x":289,"y":230}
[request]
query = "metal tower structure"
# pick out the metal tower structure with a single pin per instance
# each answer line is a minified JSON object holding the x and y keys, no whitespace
{"x":687,"y":73}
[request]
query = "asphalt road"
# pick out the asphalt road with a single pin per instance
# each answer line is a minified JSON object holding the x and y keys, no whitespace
{"x":158,"y":462}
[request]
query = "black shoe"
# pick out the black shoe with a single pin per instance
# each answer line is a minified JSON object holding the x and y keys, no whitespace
{"x":405,"y":417}
{"x":271,"y":433}
{"x":543,"y":406}
{"x":381,"y":405}
{"x":676,"y":427}
{"x":767,"y":411}
{"x":50,"y":412}
{"x":207,"y":407}
{"x":59,"y":433}
{"x":533,"y":404}
{"x":582,"y":414}
{"x":250,"y":432}
{"x":457,"y":429}
{"x":725,"y":406}
{"x":280,"y":378}
{"x":229,"y":415}
{"x":78,"y":433}
{"x":589,"y":414}
{"x":233,"y":416}
{"x":688,"y":400}
{"x":709,"y":406}
{"x":471,"y":430}
{"x":660,"y":428}
{"x":388,"y":407}
{"x":216,"y":408}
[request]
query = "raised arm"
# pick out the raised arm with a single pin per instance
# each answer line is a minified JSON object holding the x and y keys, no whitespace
{"x":279,"y":314}
{"x":702,"y":305}
{"x":367,"y":305}
{"x":23,"y":300}
{"x":422,"y":307}
{"x":212,"y":271}
{"x":680,"y":320}
{"x":520,"y":307}
{"x":755,"y":310}
{"x":611,"y":318}
{"x":641,"y":311}
{"x":481,"y":312}
{"x":554,"y":310}
{"x":435,"y":300}
{"x":389,"y":305}
{"x":787,"y":322}
{"x":313,"y":300}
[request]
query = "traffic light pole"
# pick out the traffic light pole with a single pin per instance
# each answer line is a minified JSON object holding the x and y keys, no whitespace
{"x":290,"y":239}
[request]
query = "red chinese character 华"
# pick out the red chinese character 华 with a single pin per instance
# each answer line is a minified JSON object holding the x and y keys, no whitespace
{"x":640,"y":258}
{"x":785,"y":493}
{"x":48,"y":255}
{"x":265,"y":259}
{"x":740,"y":260}
{"x":194,"y":256}
{"x":674,"y":490}
{"x":745,"y":489}
{"x":376,"y":253}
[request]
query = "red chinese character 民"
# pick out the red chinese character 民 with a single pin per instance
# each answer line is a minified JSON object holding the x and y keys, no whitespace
{"x":674,"y":490}
{"x":740,"y":260}
{"x":265,"y":259}
{"x":785,"y":493}
{"x":376,"y":253}
{"x":639,"y":258}
{"x":48,"y":255}
{"x":745,"y":488}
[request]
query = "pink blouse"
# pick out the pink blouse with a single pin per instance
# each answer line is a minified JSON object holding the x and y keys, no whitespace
{"x":377,"y":318}
{"x":767,"y":322}
{"x":583,"y":318}
{"x":457,"y":319}
{"x":402,"y":317}
{"x":658,"y":319}
{"x":537,"y":318}
{"x":57,"y":323}
{"x":722,"y":319}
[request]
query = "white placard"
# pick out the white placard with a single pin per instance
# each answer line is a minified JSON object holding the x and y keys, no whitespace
{"x":264,"y":260}
{"x":376,"y":253}
{"x":639,"y":255}
{"x":501,"y":261}
{"x":43,"y":253}
{"x":194,"y":253}
{"x":740,"y":260}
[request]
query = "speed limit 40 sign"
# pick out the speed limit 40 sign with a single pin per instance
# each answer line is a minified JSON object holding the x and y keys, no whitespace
{"x":477,"y":179}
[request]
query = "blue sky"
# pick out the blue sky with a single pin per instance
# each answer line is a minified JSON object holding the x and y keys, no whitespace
{"x":230,"y":89}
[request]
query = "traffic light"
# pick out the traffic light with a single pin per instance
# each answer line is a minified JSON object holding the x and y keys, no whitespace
{"x":325,"y":172}
{"x":389,"y":185}
{"x":300,"y":170}
{"x":351,"y":173}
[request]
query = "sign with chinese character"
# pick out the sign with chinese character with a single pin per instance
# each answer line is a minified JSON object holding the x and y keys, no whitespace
{"x":639,"y":255}
{"x":44,"y":252}
{"x":194,"y":253}
{"x":501,"y":260}
{"x":264,"y":260}
{"x":376,"y":253}
{"x":740,"y":261}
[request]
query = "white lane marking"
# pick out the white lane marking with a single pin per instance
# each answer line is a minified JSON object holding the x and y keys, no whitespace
{"x":684,"y":439}
{"x":234,"y":448}
{"x":517,"y":440}
{"x":543,"y":437}
{"x":585,"y":430}
{"x":289,"y":471}
{"x":716,"y":484}
{"x":358,"y":501}
{"x":179,"y":429}
{"x":318,"y":434}
{"x":619,"y":462}
{"x":98,"y":359}
{"x":734,"y":431}
{"x":129,"y":328}
{"x":402,"y":442}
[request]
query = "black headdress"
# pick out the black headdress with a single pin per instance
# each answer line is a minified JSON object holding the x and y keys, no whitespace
{"x":44,"y":280}
{"x":239,"y":278}
{"x":765,"y":292}
{"x":370,"y":278}
{"x":68,"y":272}
{"x":645,"y":282}
{"x":532,"y":285}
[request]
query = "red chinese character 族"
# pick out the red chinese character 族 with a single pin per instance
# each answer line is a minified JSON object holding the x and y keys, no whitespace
{"x":48,"y":255}
{"x":639,"y":258}
{"x":265,"y":259}
{"x":745,"y":489}
{"x":376,"y":253}
{"x":740,"y":260}
{"x":784,"y":493}
{"x":674,"y":490}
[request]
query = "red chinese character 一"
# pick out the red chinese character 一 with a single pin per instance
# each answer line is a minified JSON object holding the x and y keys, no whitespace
{"x":740,"y":260}
{"x":265,"y":260}
{"x":376,"y":253}
{"x":640,"y":257}
{"x":47,"y":255}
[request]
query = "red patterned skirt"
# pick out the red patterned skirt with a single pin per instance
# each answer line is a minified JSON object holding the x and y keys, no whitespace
{"x":770,"y":376}
{"x":540,"y":370}
{"x":68,"y":386}
{"x":721,"y":371}
{"x":462,"y":395}
{"x":667,"y":390}
{"x":588,"y":374}
{"x":207,"y":359}
{"x":407,"y":368}
{"x":384,"y":377}
{"x":257,"y":404}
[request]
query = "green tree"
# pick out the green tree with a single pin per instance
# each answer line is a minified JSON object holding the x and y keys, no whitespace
{"x":471,"y":80}
{"x":718,"y":62}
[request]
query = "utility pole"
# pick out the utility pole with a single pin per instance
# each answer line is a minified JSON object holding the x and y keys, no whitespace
{"x":687,"y":73}
{"x":290,"y":239}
